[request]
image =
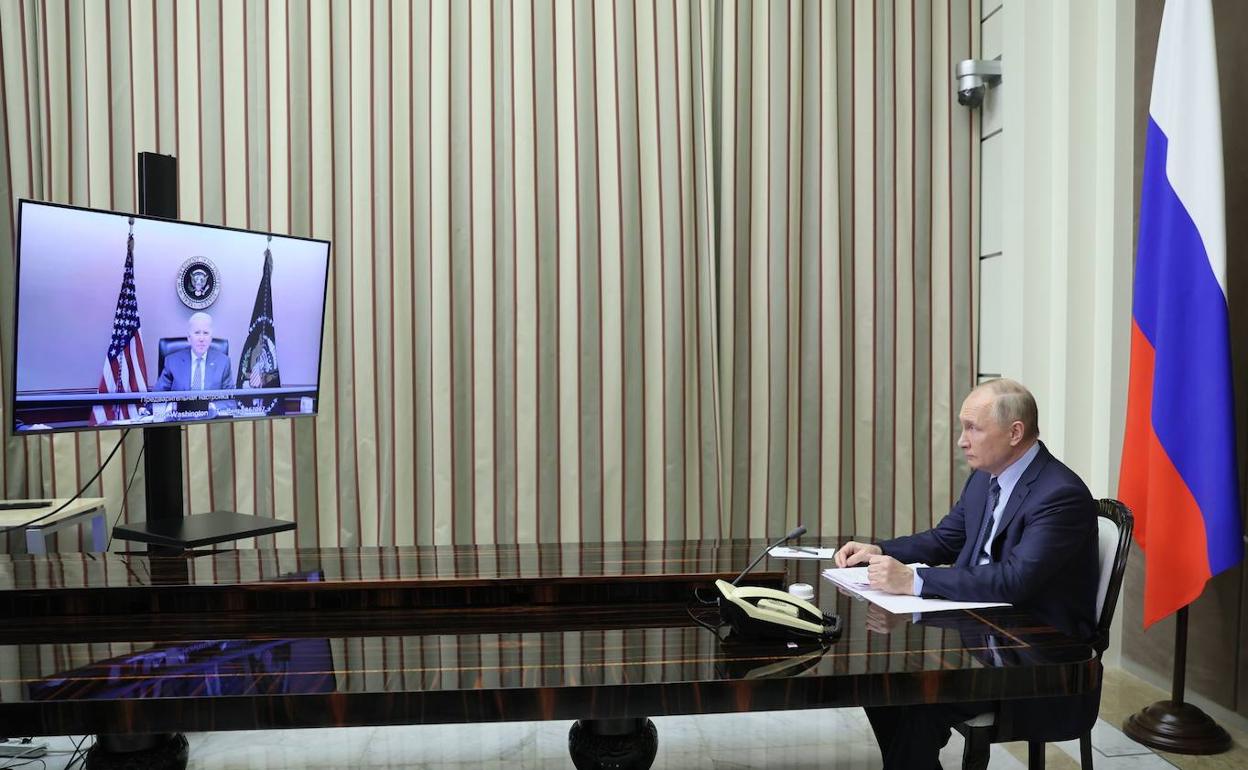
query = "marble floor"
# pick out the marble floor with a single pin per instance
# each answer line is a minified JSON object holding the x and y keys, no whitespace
{"x":793,"y":740}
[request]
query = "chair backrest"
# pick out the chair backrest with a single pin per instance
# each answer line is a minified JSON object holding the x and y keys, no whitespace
{"x":170,"y":345}
{"x":1114,"y":525}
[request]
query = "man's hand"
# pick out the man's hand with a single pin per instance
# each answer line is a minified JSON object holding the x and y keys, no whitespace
{"x":888,"y":574}
{"x":855,"y":554}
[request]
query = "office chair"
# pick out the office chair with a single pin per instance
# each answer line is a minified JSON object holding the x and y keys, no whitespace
{"x":1114,"y":525}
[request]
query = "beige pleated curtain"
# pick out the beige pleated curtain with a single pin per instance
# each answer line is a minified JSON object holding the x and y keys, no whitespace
{"x":600,"y":270}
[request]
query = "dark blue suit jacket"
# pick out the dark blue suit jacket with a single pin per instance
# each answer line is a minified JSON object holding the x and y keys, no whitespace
{"x":1045,"y":557}
{"x":1044,"y":561}
{"x":177,"y":372}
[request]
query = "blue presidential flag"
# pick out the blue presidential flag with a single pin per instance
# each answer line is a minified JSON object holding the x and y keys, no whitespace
{"x":258,"y":366}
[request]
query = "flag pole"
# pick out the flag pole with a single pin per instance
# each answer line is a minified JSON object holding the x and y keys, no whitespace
{"x":1179,"y":472}
{"x":1172,"y":725}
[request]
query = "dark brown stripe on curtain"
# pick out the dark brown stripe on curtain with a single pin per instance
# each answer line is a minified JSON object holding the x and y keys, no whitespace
{"x":31,"y":131}
{"x":459,"y":202}
{"x":502,"y":139}
{"x":628,"y":192}
{"x":220,"y":99}
{"x":777,"y":251}
{"x":468,"y":471}
{"x":352,"y":404}
{"x":636,"y":520}
{"x":545,"y":177}
{"x":685,"y":499}
{"x":743,"y":217}
{"x":925,"y":83}
{"x":382,"y":133}
{"x":332,"y":320}
{"x":515,"y":289}
{"x":846,"y":160}
{"x":50,"y":189}
{"x":157,"y":68}
{"x":685,"y":54}
{"x":809,"y":281}
{"x":426,"y":457}
{"x":673,"y":526}
{"x":596,"y":313}
{"x":883,"y":508}
{"x":706,"y":435}
{"x":895,"y":241}
{"x":586,"y":240}
{"x":69,"y":110}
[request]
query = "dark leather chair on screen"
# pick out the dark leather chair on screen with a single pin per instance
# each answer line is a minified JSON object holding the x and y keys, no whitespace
{"x":1114,"y":525}
{"x":167,"y":346}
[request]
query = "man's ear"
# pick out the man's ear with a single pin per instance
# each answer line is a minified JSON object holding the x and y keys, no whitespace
{"x":1017,"y":431}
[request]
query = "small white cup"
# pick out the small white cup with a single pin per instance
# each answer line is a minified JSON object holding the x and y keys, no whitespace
{"x":802,"y":591}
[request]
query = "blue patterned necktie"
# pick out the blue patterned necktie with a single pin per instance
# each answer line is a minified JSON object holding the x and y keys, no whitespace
{"x":197,"y":380}
{"x":994,"y":496}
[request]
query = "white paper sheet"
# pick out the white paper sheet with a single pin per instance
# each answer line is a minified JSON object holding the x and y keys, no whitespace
{"x":785,"y":552}
{"x":854,"y":580}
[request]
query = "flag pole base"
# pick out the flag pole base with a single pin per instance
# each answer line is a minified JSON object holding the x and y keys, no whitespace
{"x":1179,"y":728}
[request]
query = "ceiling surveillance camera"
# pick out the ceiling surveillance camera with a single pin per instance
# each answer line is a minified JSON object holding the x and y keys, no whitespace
{"x":975,"y":77}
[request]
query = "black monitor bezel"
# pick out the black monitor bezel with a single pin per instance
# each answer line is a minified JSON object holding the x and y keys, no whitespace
{"x":11,"y":423}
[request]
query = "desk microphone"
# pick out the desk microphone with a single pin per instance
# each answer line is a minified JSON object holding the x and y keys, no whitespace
{"x":797,"y":532}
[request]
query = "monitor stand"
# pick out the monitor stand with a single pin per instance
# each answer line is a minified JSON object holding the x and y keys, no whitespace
{"x":167,"y":531}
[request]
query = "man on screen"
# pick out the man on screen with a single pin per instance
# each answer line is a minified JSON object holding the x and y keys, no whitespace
{"x":199,"y":367}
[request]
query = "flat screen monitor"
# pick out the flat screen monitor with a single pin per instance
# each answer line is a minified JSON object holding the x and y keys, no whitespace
{"x":125,"y":320}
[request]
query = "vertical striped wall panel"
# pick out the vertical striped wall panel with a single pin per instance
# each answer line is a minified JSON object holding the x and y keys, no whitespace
{"x":600,"y":271}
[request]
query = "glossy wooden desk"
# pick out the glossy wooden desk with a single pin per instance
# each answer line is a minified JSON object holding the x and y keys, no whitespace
{"x":125,"y":644}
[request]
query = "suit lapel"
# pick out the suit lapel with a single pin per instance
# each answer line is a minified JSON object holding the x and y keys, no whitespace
{"x":1021,"y":490}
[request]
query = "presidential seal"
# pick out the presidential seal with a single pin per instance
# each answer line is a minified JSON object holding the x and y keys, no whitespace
{"x":198,"y":283}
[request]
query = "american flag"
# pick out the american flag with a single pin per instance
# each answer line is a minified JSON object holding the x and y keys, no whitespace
{"x":125,"y":370}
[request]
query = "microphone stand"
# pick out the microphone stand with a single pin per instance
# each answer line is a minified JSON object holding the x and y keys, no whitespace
{"x":798,"y":532}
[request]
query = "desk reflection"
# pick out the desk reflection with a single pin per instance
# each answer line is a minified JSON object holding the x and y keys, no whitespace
{"x":199,"y":669}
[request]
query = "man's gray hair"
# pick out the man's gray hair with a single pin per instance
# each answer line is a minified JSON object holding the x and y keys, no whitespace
{"x":1012,"y":402}
{"x":198,"y":316}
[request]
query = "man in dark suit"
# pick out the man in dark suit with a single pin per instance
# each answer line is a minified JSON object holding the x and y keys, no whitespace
{"x":1023,"y":532}
{"x":199,"y":367}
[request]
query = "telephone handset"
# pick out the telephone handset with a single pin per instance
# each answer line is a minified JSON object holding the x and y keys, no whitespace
{"x":767,"y":613}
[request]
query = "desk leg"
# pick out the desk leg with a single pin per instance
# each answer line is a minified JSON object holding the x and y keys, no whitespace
{"x":99,"y":531}
{"x":623,"y":744}
{"x":159,"y":751}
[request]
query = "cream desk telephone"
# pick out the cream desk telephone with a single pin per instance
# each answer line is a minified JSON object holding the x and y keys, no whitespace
{"x":756,"y":613}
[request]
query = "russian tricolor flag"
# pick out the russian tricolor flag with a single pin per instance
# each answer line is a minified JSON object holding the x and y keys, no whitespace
{"x":1178,"y":457}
